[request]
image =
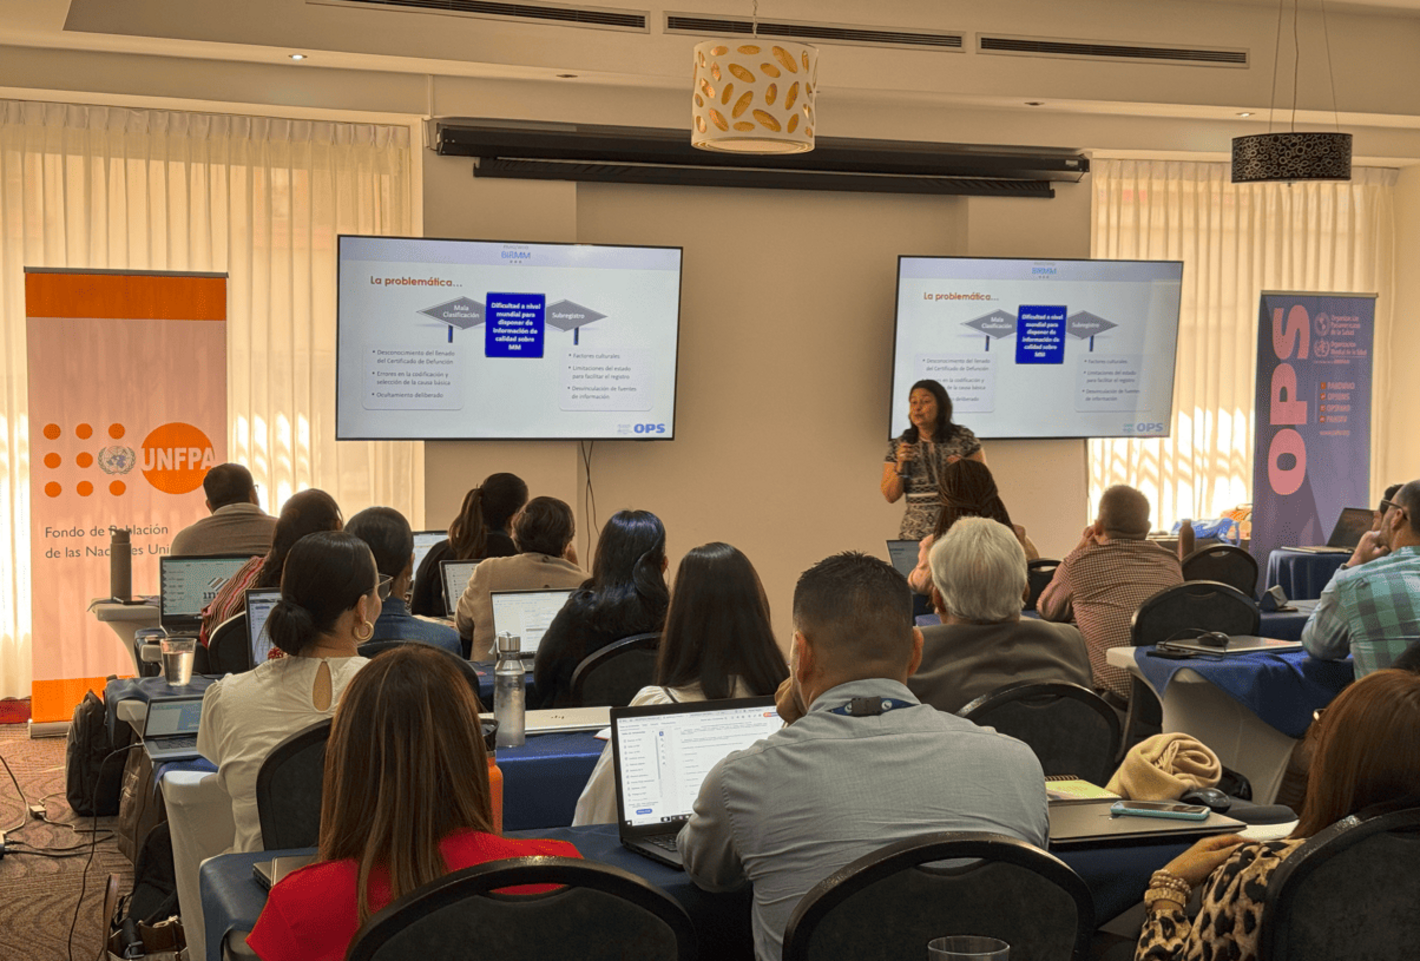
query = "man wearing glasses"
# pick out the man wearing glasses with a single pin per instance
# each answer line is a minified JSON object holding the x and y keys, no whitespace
{"x":1371,"y":606}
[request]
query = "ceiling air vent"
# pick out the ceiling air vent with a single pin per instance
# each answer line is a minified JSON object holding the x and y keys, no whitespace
{"x":809,"y":32}
{"x":603,"y":17}
{"x":1094,"y":50}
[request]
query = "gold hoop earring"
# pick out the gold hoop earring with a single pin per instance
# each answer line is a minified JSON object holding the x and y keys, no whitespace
{"x":369,"y":632}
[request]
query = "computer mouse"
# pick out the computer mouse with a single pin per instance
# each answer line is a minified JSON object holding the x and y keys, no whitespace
{"x":1209,"y":797}
{"x":1213,"y":639}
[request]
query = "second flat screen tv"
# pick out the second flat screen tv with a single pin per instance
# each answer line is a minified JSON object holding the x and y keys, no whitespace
{"x":471,"y":340}
{"x":1040,"y":348}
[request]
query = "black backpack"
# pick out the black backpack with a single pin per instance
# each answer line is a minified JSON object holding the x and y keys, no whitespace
{"x":93,"y":771}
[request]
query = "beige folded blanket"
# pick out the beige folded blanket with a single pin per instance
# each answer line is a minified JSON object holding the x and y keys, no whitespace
{"x":1163,"y":767}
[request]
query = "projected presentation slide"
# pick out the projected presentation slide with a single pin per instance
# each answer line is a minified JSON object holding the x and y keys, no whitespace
{"x":1040,"y":348}
{"x":451,"y":339}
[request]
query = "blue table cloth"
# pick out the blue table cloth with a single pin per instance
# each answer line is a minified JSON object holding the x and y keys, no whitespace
{"x":1300,"y":574}
{"x":1281,"y":689}
{"x":1116,"y":877}
{"x":543,"y":779}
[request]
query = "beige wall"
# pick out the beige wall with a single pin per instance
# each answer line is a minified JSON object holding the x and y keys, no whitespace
{"x":1396,"y":439}
{"x":786,"y":340}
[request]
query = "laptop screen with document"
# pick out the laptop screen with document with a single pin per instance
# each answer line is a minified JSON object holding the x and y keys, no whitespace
{"x":187,"y":584}
{"x":526,"y":614}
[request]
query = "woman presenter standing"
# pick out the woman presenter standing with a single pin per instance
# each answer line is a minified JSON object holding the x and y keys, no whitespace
{"x":915,"y":461}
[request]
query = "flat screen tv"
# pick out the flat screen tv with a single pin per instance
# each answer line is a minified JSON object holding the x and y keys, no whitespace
{"x":1040,"y":348}
{"x":475,"y":340}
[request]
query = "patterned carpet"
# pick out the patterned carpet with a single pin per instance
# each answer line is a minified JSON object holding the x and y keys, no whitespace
{"x":38,"y":894}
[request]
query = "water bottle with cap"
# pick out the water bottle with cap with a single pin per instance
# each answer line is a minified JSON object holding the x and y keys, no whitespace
{"x":509,"y":690}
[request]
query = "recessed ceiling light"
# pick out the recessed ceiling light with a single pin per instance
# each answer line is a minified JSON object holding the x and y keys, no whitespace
{"x":1244,"y":113}
{"x":566,"y":76}
{"x":1035,"y":103}
{"x":298,"y":56}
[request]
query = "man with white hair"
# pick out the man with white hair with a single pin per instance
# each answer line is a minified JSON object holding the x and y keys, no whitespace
{"x":983,"y":643}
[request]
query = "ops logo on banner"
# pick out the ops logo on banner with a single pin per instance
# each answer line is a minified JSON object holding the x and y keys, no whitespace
{"x":1285,"y":410}
{"x":174,"y":458}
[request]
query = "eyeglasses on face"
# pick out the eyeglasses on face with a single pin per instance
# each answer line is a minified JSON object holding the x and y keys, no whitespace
{"x":383,"y":587}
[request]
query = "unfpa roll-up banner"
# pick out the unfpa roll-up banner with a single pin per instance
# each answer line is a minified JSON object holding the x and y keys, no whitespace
{"x":127,"y":411}
{"x":1312,"y":453}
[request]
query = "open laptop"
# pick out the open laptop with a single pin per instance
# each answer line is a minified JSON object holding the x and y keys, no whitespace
{"x":903,"y":555}
{"x":188,"y":584}
{"x":1078,"y":825}
{"x":423,"y":541}
{"x":454,"y":576}
{"x":662,"y":753}
{"x":1237,"y":644}
{"x":1353,"y":522}
{"x":526,"y":614}
{"x":170,"y":730}
{"x":259,"y":605}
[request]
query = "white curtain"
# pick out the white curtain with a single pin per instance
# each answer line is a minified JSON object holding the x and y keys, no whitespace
{"x":1235,"y":241}
{"x":259,"y":198}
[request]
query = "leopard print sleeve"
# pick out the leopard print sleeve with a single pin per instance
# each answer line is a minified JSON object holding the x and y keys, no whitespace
{"x":1226,"y":926}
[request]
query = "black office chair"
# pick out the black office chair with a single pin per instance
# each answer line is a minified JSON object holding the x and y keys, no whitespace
{"x":1223,"y":563}
{"x":374,"y":649}
{"x":229,"y":647}
{"x":288,"y":790}
{"x":613,"y":675}
{"x":1347,"y":893}
{"x":1039,"y":574}
{"x":600,"y":913}
{"x":889,"y":904}
{"x":1190,"y":609}
{"x":1070,"y":728}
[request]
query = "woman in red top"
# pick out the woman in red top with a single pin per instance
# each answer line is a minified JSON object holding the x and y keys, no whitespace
{"x":405,"y":800}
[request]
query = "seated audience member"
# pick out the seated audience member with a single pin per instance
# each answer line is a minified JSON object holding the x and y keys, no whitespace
{"x":235,"y":524}
{"x":865,"y":765}
{"x":625,"y":595}
{"x":967,"y":489}
{"x":543,"y":533}
{"x":1367,"y":760}
{"x":392,"y":543}
{"x":718,"y":643}
{"x":983,"y":643}
{"x":1371,"y":606}
{"x":305,"y":513}
{"x":407,"y":732}
{"x":1101,"y":583}
{"x":481,"y":530}
{"x":1379,"y":513}
{"x":330,"y":600}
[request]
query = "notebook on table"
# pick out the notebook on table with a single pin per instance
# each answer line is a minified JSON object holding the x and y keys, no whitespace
{"x":1237,"y":644}
{"x":259,"y":605}
{"x":188,"y":584}
{"x":170,"y":729}
{"x":526,"y":614}
{"x":454,"y":575}
{"x":661,"y":755}
{"x":1353,"y":522}
{"x":1089,"y":824}
{"x":903,"y":555}
{"x":562,"y":720}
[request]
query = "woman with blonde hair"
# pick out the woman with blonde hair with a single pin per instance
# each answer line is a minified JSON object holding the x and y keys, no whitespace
{"x":405,"y":801}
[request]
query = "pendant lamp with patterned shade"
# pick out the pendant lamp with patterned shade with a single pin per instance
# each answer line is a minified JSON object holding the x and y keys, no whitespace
{"x":754,"y":96}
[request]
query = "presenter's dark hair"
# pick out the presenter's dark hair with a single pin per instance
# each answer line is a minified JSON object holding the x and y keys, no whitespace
{"x":943,"y":430}
{"x":307,"y":512}
{"x":389,"y":537}
{"x":326,"y":575}
{"x":717,"y":627}
{"x":546,"y":526}
{"x":967,"y":489}
{"x":1408,"y":497}
{"x":406,"y":732}
{"x":228,"y":484}
{"x":859,"y":605}
{"x":628,"y":573}
{"x":488,"y":507}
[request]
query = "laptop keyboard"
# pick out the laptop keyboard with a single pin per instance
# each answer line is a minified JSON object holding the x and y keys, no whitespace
{"x":666,"y":842}
{"x":176,"y":743}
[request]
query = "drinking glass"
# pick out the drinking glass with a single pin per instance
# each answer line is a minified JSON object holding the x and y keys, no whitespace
{"x":178,"y":653}
{"x":968,"y":947}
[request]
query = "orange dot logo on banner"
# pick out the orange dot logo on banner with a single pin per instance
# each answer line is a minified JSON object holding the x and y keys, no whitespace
{"x":176,"y":457}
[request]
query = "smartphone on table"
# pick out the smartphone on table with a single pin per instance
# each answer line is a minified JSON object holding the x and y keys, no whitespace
{"x":1159,"y":809}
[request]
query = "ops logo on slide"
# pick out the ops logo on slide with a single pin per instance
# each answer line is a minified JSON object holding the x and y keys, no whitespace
{"x":649,"y":428}
{"x":1142,"y":428}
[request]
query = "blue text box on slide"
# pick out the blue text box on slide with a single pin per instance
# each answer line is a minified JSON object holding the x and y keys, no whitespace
{"x":1040,"y":335}
{"x":514,"y":325}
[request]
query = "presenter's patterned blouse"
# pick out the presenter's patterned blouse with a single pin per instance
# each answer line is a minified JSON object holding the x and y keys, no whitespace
{"x":924,"y":472}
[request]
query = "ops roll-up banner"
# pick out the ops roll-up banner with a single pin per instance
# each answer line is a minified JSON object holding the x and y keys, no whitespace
{"x":127,"y":411}
{"x":1312,"y":452}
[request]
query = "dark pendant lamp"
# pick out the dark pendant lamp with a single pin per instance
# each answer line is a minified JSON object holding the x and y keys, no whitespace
{"x":1272,"y":157}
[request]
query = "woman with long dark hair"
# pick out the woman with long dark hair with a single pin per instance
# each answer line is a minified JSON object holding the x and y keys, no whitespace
{"x":306,"y":512}
{"x":480,"y":530}
{"x":915,"y":461}
{"x":331,"y":595}
{"x":405,"y":801}
{"x":717,"y":643}
{"x":625,"y":595}
{"x":967,"y":490}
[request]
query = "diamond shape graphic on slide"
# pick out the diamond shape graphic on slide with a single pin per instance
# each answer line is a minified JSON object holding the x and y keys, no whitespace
{"x":462,"y":313}
{"x":1085,"y":325}
{"x":998,"y":323}
{"x":565,"y":315}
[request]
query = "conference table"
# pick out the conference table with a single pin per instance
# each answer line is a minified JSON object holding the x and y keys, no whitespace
{"x":1251,"y":709}
{"x":232,"y":899}
{"x":1302,"y":574}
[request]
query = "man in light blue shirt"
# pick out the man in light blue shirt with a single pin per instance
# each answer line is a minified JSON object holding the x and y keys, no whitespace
{"x":863,"y":763}
{"x":1371,"y":606}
